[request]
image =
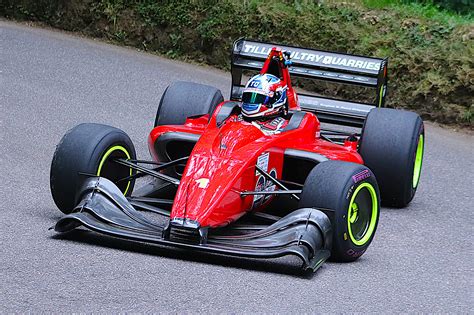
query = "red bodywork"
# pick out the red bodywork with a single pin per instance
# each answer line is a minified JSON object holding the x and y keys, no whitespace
{"x":222,"y":163}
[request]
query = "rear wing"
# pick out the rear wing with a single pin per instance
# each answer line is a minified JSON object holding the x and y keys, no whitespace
{"x":318,"y":65}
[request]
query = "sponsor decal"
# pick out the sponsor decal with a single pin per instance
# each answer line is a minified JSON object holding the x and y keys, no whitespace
{"x":260,"y":186}
{"x":271,"y":127}
{"x":202,"y":182}
{"x":269,"y":185}
{"x":254,"y":49}
{"x":264,"y":185}
{"x":361,"y":176}
{"x":319,"y":58}
{"x":255,"y":84}
{"x":274,"y":124}
{"x":354,"y":253}
{"x":262,"y":161}
{"x":349,"y":192}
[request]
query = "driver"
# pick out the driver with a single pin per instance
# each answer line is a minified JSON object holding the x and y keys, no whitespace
{"x":264,"y":102}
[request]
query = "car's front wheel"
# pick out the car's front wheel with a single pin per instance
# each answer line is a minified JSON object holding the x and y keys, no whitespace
{"x":349,"y":194}
{"x":89,"y":150}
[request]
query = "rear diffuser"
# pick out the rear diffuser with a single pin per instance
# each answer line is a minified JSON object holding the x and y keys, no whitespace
{"x":305,"y":233}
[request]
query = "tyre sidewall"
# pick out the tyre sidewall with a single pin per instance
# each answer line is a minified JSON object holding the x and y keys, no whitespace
{"x":388,"y":147}
{"x":409,"y":190}
{"x":344,"y":248}
{"x":184,"y":99}
{"x":78,"y":156}
{"x":330,"y":187}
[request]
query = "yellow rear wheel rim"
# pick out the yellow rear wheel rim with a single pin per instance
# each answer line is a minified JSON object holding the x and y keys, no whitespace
{"x":418,"y":161}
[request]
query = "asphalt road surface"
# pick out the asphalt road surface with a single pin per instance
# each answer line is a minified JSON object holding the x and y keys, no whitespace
{"x":420,"y":261}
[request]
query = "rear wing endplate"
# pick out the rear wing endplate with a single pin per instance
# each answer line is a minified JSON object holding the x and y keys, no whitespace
{"x":318,"y":65}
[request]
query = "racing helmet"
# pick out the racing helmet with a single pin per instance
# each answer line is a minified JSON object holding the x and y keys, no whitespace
{"x":263,"y":96}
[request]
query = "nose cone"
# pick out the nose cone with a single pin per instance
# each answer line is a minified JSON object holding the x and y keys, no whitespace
{"x":209,"y":194}
{"x":219,"y":167}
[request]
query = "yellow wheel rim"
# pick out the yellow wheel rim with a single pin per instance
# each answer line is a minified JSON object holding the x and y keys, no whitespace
{"x":354,"y":215}
{"x":106,"y":156}
{"x":418,"y":161}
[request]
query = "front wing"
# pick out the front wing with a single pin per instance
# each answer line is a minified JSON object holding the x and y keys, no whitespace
{"x":304,"y":233}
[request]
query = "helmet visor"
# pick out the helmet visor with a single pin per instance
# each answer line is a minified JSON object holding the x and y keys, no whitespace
{"x":254,"y":98}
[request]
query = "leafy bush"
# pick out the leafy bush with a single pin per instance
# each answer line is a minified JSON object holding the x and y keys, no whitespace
{"x":430,"y":51}
{"x":457,"y":6}
{"x":461,"y":6}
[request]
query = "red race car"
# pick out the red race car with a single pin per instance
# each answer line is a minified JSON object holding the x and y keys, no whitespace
{"x":266,"y":174}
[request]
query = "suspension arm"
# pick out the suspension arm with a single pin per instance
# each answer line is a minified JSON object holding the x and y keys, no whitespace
{"x":277,"y":182}
{"x":148,"y":171}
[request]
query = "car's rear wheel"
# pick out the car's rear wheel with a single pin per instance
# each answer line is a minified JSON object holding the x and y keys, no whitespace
{"x":392,"y":145}
{"x":185,"y":99}
{"x":89,"y":150}
{"x":179,"y":101}
{"x":349,"y":194}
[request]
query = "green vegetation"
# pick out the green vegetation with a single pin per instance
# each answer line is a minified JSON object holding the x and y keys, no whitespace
{"x":426,"y":7}
{"x":430,"y":49}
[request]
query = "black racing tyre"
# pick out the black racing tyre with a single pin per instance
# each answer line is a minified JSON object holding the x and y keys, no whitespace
{"x":350,"y":194}
{"x":89,"y":149}
{"x":392,"y":145}
{"x":185,"y":99}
